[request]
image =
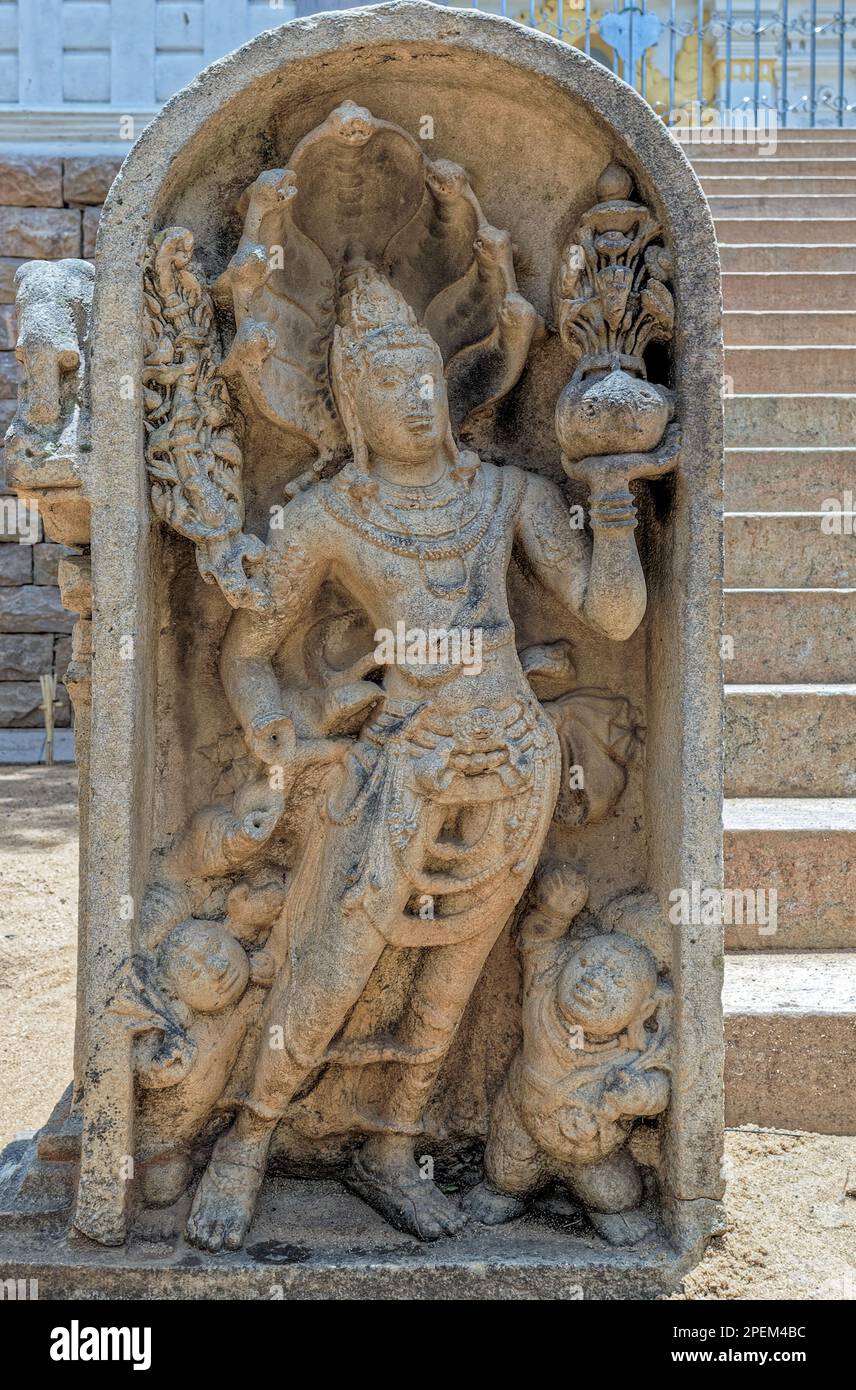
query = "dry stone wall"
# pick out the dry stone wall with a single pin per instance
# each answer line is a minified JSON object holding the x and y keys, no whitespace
{"x":49,"y":209}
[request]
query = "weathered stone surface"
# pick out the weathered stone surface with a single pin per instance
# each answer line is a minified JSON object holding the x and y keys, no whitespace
{"x":786,"y":480}
{"x":30,"y":181}
{"x":790,"y":740}
{"x":62,"y":656}
{"x":8,"y":327}
{"x":780,"y":637}
{"x":526,"y":1260}
{"x":785,"y":551}
{"x":74,"y":576}
{"x":47,"y":233}
{"x":10,"y":375}
{"x":761,"y":328}
{"x":790,"y":1029}
{"x":826,"y":370}
{"x":727,"y":183}
{"x":16,"y":564}
{"x":766,"y":230}
{"x":21,"y":705}
{"x":802,"y":259}
{"x":777,"y":290}
{"x":805,"y":146}
{"x":794,"y":208}
{"x":48,"y":440}
{"x":8,"y":267}
{"x":65,"y":514}
{"x":790,"y":421}
{"x":46,"y":560}
{"x":25,"y":657}
{"x":87,"y":178}
{"x":426,"y":485}
{"x":91,"y":218}
{"x":33,"y":608}
{"x":805,"y":850}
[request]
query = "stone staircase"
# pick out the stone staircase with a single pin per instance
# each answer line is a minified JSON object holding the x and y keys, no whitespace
{"x":787,"y":231}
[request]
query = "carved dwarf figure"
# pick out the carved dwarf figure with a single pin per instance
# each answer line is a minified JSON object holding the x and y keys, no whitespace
{"x":450,"y":787}
{"x":189,"y":1002}
{"x":587,"y":1068}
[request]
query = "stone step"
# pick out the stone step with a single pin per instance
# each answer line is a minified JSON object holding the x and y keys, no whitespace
{"x":794,"y":419}
{"x":786,"y":258}
{"x":806,"y":851}
{"x":789,"y":550}
{"x":786,"y":166}
{"x":773,"y":636}
{"x":744,"y":327}
{"x":824,"y":369}
{"x":787,"y":480}
{"x":768,"y":230}
{"x":752,"y":142}
{"x":790,"y":740}
{"x":825,"y":131}
{"x":783,"y":291}
{"x":790,"y":1040}
{"x":759,"y":154}
{"x":793,"y":186}
{"x":815,"y":207}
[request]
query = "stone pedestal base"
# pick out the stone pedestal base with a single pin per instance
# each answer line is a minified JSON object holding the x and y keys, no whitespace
{"x":337,"y":1248}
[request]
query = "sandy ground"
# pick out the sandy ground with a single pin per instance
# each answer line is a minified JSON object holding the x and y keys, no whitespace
{"x":791,"y":1197}
{"x":38,"y":916}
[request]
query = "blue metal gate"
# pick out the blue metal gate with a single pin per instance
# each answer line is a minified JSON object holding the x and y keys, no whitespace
{"x":794,"y":64}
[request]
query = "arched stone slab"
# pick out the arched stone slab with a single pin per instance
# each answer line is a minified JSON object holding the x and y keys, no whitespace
{"x":537,"y":127}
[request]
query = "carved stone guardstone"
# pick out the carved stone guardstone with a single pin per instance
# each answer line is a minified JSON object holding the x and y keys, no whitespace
{"x":396,"y":413}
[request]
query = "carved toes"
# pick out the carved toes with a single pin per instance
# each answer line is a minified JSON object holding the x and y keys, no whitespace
{"x":491,"y":1208}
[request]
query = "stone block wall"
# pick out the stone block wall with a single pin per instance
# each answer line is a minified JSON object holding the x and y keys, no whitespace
{"x":49,"y":209}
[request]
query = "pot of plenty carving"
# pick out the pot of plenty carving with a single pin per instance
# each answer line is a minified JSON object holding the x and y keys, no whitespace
{"x":611,"y":412}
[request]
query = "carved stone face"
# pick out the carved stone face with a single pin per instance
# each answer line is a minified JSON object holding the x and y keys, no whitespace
{"x":205,"y":966}
{"x":400,"y":401}
{"x":604,"y":984}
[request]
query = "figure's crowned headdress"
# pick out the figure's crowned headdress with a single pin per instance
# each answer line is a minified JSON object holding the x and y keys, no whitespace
{"x":371,"y":315}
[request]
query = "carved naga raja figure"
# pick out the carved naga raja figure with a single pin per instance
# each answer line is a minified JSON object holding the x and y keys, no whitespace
{"x":432,"y":780}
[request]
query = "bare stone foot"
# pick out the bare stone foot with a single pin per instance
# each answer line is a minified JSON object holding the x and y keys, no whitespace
{"x":159,"y":1225}
{"x":226,"y":1196}
{"x":397,"y":1190}
{"x":621,"y":1227}
{"x":165,"y":1179}
{"x":491,"y":1208}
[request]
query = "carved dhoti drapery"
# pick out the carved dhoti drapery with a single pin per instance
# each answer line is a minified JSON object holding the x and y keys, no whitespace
{"x":420,"y":851}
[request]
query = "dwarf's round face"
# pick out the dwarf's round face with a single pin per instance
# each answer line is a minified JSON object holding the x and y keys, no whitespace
{"x":401,"y":403}
{"x":604,"y":984}
{"x":205,"y":966}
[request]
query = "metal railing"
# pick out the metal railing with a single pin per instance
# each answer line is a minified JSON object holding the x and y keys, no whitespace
{"x":798,"y":62}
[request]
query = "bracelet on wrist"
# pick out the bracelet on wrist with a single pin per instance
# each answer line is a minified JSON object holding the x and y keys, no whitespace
{"x":615,"y":510}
